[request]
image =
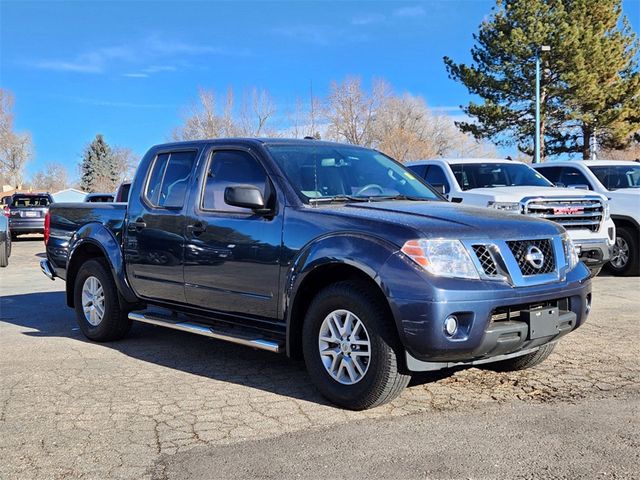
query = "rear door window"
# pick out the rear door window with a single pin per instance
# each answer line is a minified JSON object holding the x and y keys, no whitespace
{"x":169,"y":179}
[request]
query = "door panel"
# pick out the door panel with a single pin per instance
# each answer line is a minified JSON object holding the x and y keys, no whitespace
{"x":154,"y":244}
{"x":232,"y":255}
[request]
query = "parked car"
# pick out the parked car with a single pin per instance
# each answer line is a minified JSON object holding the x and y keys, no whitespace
{"x":515,"y":187}
{"x":5,"y":241}
{"x":122,"y":192}
{"x":27,"y":212}
{"x":620,"y":182}
{"x":99,"y":197}
{"x":332,"y":253}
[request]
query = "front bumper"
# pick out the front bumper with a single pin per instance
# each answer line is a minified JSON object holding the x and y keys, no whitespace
{"x":595,"y":252}
{"x":422,"y":303}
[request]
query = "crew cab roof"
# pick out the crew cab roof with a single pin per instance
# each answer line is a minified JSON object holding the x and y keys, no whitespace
{"x":463,"y":160}
{"x":250,"y":142}
{"x":589,"y":163}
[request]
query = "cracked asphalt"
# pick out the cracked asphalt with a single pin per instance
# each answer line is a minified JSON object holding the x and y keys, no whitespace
{"x":167,"y":404}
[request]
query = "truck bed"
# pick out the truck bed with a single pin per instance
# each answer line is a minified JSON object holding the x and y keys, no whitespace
{"x":68,"y":218}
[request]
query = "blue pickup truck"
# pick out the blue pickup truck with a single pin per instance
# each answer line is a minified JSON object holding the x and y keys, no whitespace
{"x":331,"y":253}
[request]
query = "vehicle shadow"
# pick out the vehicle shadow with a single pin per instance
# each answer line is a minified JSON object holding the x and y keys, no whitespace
{"x":45,"y":314}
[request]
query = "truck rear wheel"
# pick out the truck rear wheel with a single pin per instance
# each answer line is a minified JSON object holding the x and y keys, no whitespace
{"x":351,"y":349}
{"x":4,"y":252}
{"x":523,"y":362}
{"x":625,"y":258}
{"x":97,"y":304}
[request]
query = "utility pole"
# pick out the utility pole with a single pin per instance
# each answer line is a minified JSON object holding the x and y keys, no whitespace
{"x":543,"y":48}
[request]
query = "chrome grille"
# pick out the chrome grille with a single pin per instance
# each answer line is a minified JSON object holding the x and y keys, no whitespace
{"x":579,"y":213}
{"x":520,"y":249}
{"x":487,"y":262}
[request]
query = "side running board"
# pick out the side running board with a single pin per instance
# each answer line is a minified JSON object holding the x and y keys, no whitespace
{"x":219,"y":333}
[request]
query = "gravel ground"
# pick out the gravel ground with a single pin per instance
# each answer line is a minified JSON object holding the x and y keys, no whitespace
{"x":167,"y":404}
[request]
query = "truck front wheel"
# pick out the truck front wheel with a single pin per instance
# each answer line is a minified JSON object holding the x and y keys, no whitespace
{"x":97,"y":304}
{"x":625,"y":258}
{"x":351,"y":348}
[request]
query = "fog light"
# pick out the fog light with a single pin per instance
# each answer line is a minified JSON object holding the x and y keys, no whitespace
{"x":587,"y":304}
{"x":450,"y":325}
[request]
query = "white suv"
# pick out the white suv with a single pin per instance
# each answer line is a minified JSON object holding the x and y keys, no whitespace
{"x":515,"y":187}
{"x":620,"y":182}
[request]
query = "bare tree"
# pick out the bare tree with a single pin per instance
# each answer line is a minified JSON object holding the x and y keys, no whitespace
{"x":258,"y":108}
{"x":351,"y":111}
{"x":203,"y":121}
{"x":53,"y":178}
{"x":126,"y":162}
{"x":15,"y":148}
{"x":303,"y":119}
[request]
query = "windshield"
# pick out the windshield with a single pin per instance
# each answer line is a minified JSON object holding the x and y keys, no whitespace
{"x":30,"y":201}
{"x":618,"y":176}
{"x":488,"y":175}
{"x":339,"y":172}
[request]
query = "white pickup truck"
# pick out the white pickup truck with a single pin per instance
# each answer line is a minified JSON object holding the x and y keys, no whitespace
{"x":620,"y":182}
{"x":515,"y":187}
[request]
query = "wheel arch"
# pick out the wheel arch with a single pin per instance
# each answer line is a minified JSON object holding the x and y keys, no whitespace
{"x":95,"y":241}
{"x":328,"y":261}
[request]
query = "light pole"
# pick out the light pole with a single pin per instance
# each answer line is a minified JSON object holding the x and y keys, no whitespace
{"x":543,"y":48}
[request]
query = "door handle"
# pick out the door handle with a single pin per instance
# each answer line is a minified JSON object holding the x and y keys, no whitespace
{"x":197,"y":228}
{"x":139,"y":224}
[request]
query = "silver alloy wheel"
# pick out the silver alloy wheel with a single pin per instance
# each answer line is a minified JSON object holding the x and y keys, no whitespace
{"x":93,"y":300}
{"x":620,"y":254}
{"x":345,"y":349}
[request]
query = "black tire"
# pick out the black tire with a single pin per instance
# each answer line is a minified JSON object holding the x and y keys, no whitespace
{"x":114,"y":324}
{"x":594,"y":271}
{"x":4,"y":253}
{"x":523,"y":362}
{"x":632,"y":266}
{"x":382,"y":380}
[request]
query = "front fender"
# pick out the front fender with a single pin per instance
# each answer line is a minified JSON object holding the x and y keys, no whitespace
{"x":97,"y":235}
{"x":362,"y":252}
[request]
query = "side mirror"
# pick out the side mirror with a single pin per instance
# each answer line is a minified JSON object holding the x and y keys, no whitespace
{"x":245,"y":196}
{"x":579,"y":186}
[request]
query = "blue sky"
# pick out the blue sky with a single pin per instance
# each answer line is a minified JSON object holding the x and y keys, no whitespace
{"x":130,"y":69}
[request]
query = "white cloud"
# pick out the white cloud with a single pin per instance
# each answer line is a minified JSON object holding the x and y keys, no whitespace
{"x":136,"y":75}
{"x":322,"y":35}
{"x":417,"y":11}
{"x":151,"y":50}
{"x":368,"y":19}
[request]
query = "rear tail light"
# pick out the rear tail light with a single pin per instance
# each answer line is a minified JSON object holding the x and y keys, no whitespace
{"x":7,"y":212}
{"x":47,"y":227}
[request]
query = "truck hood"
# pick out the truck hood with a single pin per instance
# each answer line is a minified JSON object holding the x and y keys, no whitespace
{"x":515,"y":194}
{"x":438,"y":219}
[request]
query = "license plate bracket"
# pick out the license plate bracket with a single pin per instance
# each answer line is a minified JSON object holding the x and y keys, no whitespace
{"x":543,"y":322}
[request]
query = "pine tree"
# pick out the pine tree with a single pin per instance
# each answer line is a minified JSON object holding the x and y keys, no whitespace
{"x":590,"y":82}
{"x":99,"y":169}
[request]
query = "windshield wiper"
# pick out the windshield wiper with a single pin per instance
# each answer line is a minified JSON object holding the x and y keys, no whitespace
{"x":338,"y":199}
{"x":383,"y":198}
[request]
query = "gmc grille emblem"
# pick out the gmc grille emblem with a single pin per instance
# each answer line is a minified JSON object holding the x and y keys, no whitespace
{"x":568,"y":210}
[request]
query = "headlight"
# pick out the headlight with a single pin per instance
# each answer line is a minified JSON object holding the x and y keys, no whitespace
{"x":444,"y":258}
{"x":570,"y":253}
{"x":505,"y":206}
